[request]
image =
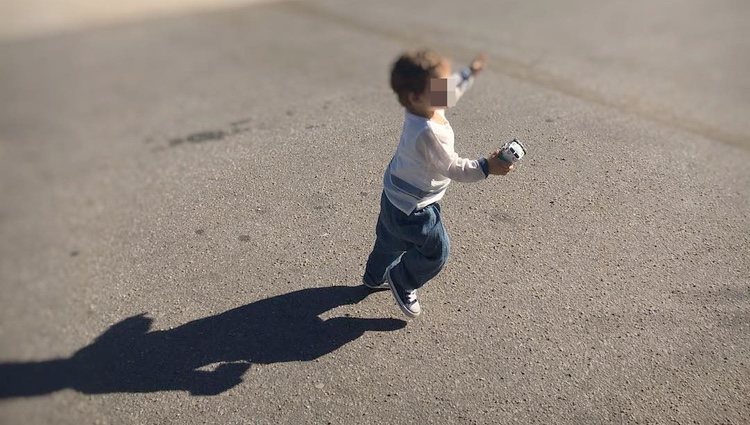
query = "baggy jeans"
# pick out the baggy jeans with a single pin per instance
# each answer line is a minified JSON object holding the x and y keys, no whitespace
{"x":418,"y":239}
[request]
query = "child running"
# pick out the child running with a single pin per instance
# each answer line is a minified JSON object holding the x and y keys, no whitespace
{"x":411,"y":245}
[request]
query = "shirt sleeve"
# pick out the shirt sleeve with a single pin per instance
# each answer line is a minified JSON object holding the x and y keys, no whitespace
{"x":464,"y":80}
{"x":443,"y":160}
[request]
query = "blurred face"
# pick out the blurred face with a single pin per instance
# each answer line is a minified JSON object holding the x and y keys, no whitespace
{"x":440,"y":91}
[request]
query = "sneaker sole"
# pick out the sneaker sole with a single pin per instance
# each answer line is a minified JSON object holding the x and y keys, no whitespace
{"x":400,"y":304}
{"x":383,"y":285}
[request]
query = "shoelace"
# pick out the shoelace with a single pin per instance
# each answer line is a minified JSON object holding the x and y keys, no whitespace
{"x":411,"y":296}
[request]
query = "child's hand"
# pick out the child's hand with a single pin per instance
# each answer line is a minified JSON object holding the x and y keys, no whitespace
{"x":477,"y":65}
{"x":498,"y":166}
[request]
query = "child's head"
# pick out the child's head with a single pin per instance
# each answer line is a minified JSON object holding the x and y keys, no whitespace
{"x":420,"y":79}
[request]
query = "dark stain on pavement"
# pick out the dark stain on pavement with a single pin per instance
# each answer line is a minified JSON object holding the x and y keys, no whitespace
{"x":204,"y":136}
{"x":240,"y":126}
{"x":235,"y":127}
{"x":244,"y":238}
{"x":203,"y":357}
{"x":200,"y":232}
{"x":501,"y":217}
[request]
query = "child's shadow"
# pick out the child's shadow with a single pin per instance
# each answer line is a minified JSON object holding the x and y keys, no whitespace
{"x":206,"y":356}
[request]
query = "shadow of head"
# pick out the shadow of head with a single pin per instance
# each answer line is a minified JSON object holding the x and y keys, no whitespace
{"x":205,"y":356}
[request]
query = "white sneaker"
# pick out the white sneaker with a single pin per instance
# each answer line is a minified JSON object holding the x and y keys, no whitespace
{"x":406,"y":300}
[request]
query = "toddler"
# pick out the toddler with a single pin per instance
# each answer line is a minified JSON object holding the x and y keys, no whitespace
{"x":411,"y":245}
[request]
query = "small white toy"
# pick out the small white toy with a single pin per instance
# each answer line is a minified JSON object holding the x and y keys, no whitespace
{"x":512,"y":151}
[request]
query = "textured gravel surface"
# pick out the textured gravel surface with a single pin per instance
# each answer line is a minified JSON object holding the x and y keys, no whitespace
{"x":186,"y":205}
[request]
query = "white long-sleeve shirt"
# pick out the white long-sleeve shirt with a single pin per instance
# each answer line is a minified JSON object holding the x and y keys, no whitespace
{"x":425,"y":161}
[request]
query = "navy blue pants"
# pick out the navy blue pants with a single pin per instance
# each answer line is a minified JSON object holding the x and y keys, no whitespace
{"x":419,"y":239}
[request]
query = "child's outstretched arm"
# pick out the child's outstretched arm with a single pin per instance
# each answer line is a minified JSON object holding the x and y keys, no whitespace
{"x":465,"y":77}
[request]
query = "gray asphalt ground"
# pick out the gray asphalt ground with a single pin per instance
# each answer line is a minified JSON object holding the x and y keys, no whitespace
{"x":186,"y":205}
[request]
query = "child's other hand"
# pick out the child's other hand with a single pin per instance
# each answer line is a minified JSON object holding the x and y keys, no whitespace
{"x":477,"y":65}
{"x":498,"y":166}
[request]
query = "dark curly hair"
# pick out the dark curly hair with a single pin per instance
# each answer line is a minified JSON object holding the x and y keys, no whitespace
{"x":412,"y":70}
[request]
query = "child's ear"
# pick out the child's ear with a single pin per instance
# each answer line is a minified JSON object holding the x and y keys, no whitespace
{"x":413,"y":98}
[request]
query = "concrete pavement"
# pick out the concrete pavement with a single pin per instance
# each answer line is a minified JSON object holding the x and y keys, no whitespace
{"x":186,"y":204}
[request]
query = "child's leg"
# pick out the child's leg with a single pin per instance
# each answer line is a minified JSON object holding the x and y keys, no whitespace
{"x":386,"y":250}
{"x":427,"y":256}
{"x":388,"y":246}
